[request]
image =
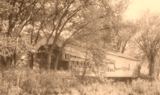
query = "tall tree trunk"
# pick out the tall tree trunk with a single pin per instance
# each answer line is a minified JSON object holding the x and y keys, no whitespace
{"x":118,"y":46}
{"x":49,"y":60}
{"x":57,"y":62}
{"x":123,"y":47}
{"x":14,"y":58}
{"x":31,"y":60}
{"x":50,"y":51}
{"x":152,"y":67}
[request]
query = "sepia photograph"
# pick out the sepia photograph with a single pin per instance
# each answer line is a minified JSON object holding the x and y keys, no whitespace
{"x":79,"y":47}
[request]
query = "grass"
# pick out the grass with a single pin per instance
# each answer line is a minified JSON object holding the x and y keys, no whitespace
{"x":29,"y":82}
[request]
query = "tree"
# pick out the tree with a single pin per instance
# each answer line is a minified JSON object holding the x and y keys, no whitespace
{"x":101,"y":23}
{"x":59,"y":17}
{"x":16,"y":16}
{"x":127,"y":31}
{"x":149,"y":41}
{"x":113,"y":25}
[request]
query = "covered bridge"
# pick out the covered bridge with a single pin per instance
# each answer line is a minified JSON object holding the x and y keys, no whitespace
{"x":120,"y":65}
{"x":73,"y":56}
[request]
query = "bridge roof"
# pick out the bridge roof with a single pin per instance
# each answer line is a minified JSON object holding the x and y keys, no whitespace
{"x":120,"y":55}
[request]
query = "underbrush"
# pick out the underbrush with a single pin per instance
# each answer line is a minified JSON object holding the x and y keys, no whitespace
{"x":30,"y":82}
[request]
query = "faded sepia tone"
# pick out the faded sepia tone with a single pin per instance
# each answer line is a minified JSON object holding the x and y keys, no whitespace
{"x":79,"y":47}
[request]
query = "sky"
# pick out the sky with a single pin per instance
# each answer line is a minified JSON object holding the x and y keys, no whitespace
{"x":138,"y":7}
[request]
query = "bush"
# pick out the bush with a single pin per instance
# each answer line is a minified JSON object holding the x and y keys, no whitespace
{"x":29,"y":82}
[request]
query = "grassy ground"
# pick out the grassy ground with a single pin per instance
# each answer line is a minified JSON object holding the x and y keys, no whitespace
{"x":30,"y":82}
